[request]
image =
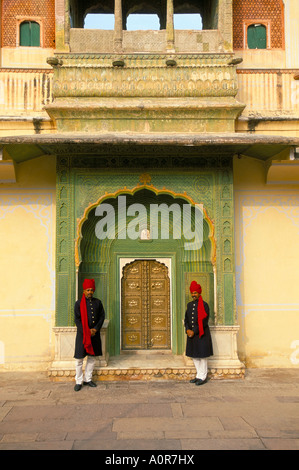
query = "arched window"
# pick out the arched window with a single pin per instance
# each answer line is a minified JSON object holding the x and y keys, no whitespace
{"x":99,"y":21}
{"x":187,"y":21}
{"x":30,"y":34}
{"x":139,"y":21}
{"x":257,"y":36}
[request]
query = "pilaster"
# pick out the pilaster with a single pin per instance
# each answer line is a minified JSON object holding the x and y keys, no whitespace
{"x":62,"y":25}
{"x":169,"y":27}
{"x":118,"y":26}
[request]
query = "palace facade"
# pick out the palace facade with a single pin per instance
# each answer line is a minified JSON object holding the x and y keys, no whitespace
{"x":118,"y":121}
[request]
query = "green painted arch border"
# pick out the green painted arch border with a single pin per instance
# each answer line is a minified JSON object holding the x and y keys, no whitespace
{"x":132,"y":192}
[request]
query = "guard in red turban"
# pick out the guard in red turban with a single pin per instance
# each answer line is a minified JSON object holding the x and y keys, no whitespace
{"x":89,"y":284}
{"x":194,"y":287}
{"x":88,"y":290}
{"x":89,"y":318}
{"x":199,"y":342}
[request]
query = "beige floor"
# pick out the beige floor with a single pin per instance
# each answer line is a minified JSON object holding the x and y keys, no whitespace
{"x":147,"y":360}
{"x":260,"y":412}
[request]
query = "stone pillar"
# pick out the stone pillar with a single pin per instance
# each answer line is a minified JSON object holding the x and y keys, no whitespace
{"x":225,"y":24}
{"x":62,"y":26}
{"x":169,"y":27}
{"x":67,"y":23}
{"x":118,"y":26}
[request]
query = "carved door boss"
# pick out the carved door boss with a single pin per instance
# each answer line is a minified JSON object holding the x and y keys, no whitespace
{"x":145,"y":306}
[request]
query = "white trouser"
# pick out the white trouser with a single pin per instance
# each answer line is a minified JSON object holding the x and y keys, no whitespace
{"x":201,"y":366}
{"x":90,"y":363}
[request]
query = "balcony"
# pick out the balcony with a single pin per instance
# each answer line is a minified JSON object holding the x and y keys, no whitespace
{"x":144,"y":92}
{"x":267,"y":93}
{"x":24,"y":92}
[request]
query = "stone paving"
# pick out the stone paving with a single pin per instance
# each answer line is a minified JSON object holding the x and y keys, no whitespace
{"x":260,"y":412}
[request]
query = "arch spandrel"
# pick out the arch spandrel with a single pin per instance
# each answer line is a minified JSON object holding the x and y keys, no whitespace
{"x":158,"y":192}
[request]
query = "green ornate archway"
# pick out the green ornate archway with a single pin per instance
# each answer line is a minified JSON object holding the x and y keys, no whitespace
{"x":84,"y":182}
{"x":100,"y":259}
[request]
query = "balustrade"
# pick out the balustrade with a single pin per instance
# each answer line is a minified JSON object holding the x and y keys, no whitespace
{"x":24,"y":91}
{"x":267,"y":92}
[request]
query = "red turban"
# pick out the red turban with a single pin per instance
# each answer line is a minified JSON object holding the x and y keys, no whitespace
{"x":194,"y":287}
{"x":87,"y":284}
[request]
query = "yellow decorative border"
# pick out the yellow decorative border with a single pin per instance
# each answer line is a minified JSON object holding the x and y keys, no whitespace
{"x":145,"y":179}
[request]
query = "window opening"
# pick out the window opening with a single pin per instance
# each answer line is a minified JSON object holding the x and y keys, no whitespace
{"x":99,"y":21}
{"x":257,"y":36}
{"x":30,"y":34}
{"x":136,"y":21}
{"x":187,"y":21}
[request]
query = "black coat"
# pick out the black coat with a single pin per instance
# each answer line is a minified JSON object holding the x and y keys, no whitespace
{"x":96,"y":317}
{"x":198,"y":346}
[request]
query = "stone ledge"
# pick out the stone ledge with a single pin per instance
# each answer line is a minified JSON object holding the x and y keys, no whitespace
{"x":151,"y":374}
{"x":225,"y":363}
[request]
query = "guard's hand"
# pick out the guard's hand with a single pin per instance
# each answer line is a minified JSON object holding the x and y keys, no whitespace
{"x":93,"y":331}
{"x":190,"y":333}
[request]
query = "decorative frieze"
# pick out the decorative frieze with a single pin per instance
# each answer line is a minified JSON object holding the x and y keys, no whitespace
{"x":93,"y":75}
{"x":178,"y":374}
{"x":196,"y":94}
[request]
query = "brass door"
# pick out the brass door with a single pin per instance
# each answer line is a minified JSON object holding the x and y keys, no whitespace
{"x":145,"y":306}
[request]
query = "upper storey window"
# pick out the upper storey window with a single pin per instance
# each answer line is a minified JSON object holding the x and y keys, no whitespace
{"x":143,"y":22}
{"x":30,"y":34}
{"x":187,"y":21}
{"x":258,"y":24}
{"x":137,"y":21}
{"x":257,"y":36}
{"x":146,"y":15}
{"x":99,"y":21}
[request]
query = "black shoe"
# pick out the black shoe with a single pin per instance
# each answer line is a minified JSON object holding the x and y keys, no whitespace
{"x":200,"y":382}
{"x":90,"y":384}
{"x":77,"y":387}
{"x":193,"y":381}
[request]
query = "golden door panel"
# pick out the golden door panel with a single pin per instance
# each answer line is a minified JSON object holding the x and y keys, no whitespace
{"x":133,"y":322}
{"x":158,"y":286}
{"x":158,"y":340}
{"x":158,"y":304}
{"x":134,"y":270}
{"x":132,"y":337}
{"x":159,"y":321}
{"x":132,"y":304}
{"x":133,"y":340}
{"x":132,"y":285}
{"x":158,"y":270}
{"x":145,"y":306}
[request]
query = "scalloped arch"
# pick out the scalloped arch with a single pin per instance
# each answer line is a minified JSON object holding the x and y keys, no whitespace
{"x":132,"y":192}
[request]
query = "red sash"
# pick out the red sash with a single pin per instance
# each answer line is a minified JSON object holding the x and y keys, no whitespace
{"x":201,"y":315}
{"x":86,"y":331}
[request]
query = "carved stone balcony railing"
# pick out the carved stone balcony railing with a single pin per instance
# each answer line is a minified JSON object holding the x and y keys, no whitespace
{"x":101,"y":41}
{"x":144,"y":92}
{"x":25,"y":91}
{"x":269,"y":92}
{"x":266,"y":93}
